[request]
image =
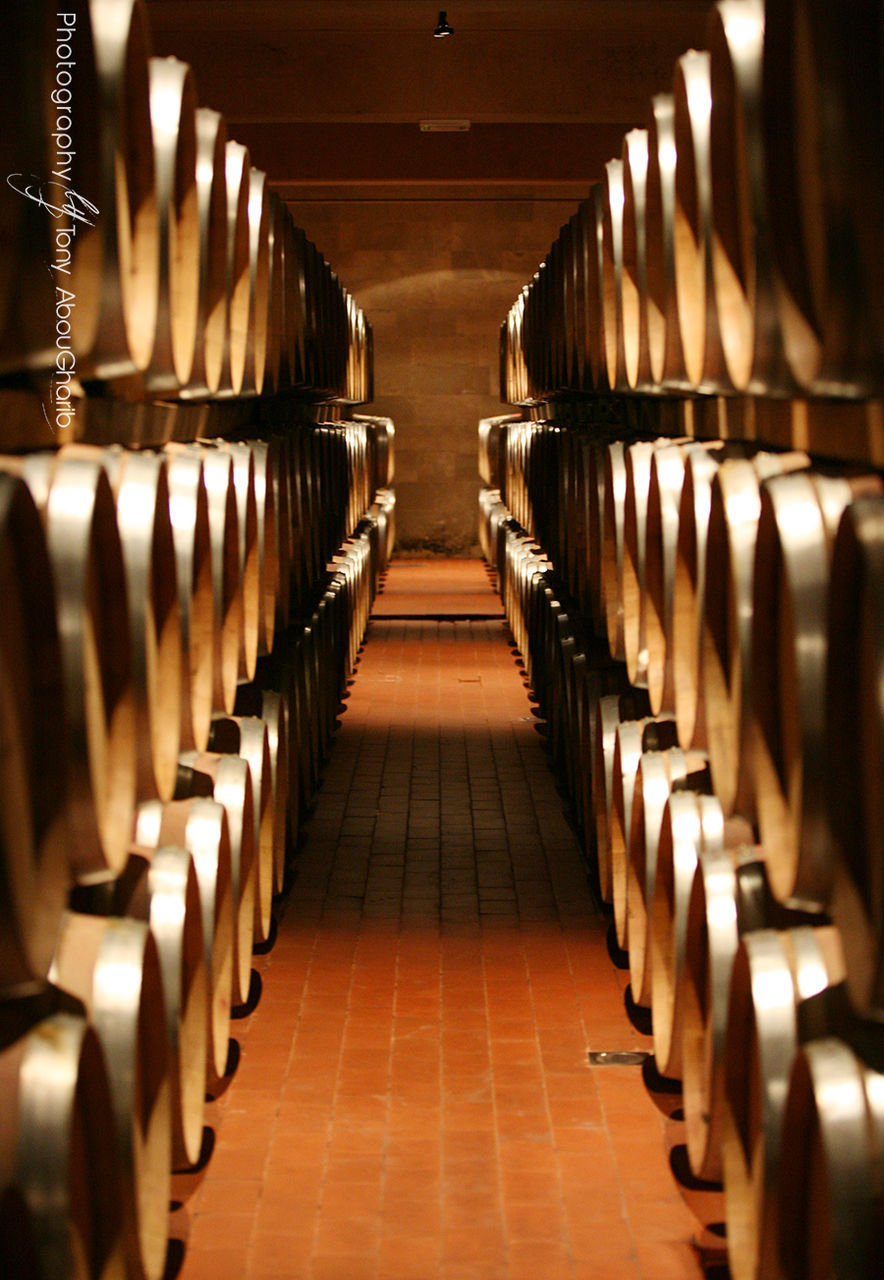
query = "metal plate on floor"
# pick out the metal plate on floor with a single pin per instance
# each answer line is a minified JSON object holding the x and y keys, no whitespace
{"x":617,"y":1057}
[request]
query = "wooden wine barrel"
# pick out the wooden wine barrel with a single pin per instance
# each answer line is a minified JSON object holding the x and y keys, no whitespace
{"x":567,"y":288}
{"x":349,"y":588}
{"x":522,"y":503}
{"x":539,"y":664}
{"x":293,"y":370}
{"x":520,"y":368}
{"x":309,"y":365}
{"x":634,"y":311}
{"x":595,"y":504}
{"x":491,"y":448}
{"x":821,"y":90}
{"x":249,"y":560}
{"x":328,"y":664}
{"x":301,"y":488}
{"x":515,"y":443}
{"x":260,"y":334}
{"x":611,"y":710}
{"x":363,"y":467}
{"x":791,"y":753}
{"x":580,"y":743}
{"x":355,"y":340}
{"x":631,"y":739}
{"x":581,"y":237}
{"x":558,"y":332}
{"x":689,"y":594}
{"x":720,"y":911}
{"x":247,"y":736}
{"x":35,"y":872}
{"x":275,"y":327}
{"x":691,"y":824}
{"x":665,"y":487}
{"x":141,"y":490}
{"x":128,"y":280}
{"x":384,"y":510}
{"x":612,"y":276}
{"x":532,"y":333}
{"x":853,"y":744}
{"x":596,"y":361}
{"x":578,"y":517}
{"x":368,"y":571}
{"x":224,"y":536}
{"x":173,"y":124}
{"x":114,"y":968}
{"x":240,"y":315}
{"x":355,"y":373}
{"x":302,"y":750}
{"x":829,"y":1191}
{"x":744,"y":271}
{"x":556,"y":337}
{"x":772,"y":974}
{"x":310,"y":359}
{"x":264,"y":459}
{"x":364,"y":374}
{"x":562,"y":534}
{"x":211,"y":188}
{"x":368,"y":362}
{"x":507,"y":357}
{"x":639,"y":461}
{"x":232,"y":787}
{"x":79,"y":519}
{"x":291,"y":749}
{"x":491,"y":511}
{"x":664,"y":337}
{"x":595,"y":680}
{"x":307,"y":675}
{"x":612,"y":551}
{"x":273,"y":708}
{"x":726,"y":631}
{"x":278,"y":471}
{"x":337,"y":345}
{"x":575,"y":293}
{"x":361,"y":376}
{"x":697,"y":316}
{"x":59,"y":1166}
{"x":607,"y":720}
{"x":848,"y":64}
{"x":549,"y":316}
{"x":333,"y":345}
{"x":162,"y":889}
{"x":200,"y":826}
{"x":189,"y":511}
{"x":535,"y":333}
{"x":658,"y":774}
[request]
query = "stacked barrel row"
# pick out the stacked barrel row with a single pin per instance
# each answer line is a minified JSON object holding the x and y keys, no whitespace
{"x":177,"y":632}
{"x":177,"y":272}
{"x":702,"y":625}
{"x":732,"y":247}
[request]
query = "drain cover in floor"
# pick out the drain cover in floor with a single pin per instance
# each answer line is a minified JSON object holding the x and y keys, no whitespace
{"x":616,"y":1058}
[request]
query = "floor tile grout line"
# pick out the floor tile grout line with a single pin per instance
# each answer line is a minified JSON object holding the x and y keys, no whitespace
{"x":496,"y":1113}
{"x":493,"y":749}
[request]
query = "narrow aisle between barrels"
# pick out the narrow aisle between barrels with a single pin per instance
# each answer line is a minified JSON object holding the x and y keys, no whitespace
{"x":414,"y":1097}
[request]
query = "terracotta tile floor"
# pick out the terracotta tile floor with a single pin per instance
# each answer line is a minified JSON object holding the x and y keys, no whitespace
{"x":413,"y":1097}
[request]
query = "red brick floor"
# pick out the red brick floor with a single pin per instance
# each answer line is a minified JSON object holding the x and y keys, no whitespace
{"x":413,"y":1098}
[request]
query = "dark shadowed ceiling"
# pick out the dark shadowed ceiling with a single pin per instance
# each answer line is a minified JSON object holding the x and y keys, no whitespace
{"x":329,"y":94}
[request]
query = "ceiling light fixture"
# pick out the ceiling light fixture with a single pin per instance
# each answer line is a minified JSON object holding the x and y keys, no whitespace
{"x":442,"y":27}
{"x":445,"y":126}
